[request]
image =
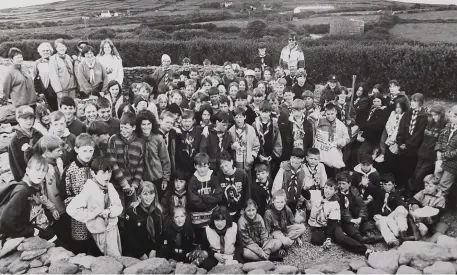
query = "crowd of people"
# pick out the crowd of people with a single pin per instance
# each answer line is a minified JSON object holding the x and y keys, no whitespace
{"x":213,"y":168}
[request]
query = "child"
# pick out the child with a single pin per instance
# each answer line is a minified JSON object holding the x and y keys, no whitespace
{"x":126,"y":153}
{"x":302,"y":85}
{"x":390,"y":212}
{"x":98,"y":130}
{"x":42,"y":121}
{"x":204,"y":191}
{"x":362,"y":104}
{"x":394,"y":95}
{"x":280,"y":222}
{"x":190,"y":140}
{"x":144,"y":223}
{"x":290,"y":178}
{"x":263,"y":60}
{"x":162,"y":104}
{"x":179,"y":240}
{"x":219,"y":240}
{"x":325,"y":219}
{"x":115,"y":97}
{"x":345,"y":111}
{"x":98,"y":206}
{"x":286,"y":106}
{"x":258,"y":98}
{"x":246,"y":144}
{"x":24,"y":138}
{"x":185,"y":70}
{"x":311,"y":110}
{"x":332,"y":89}
{"x":74,"y":177}
{"x":279,"y":88}
{"x":104,"y":113}
{"x":68,"y":108}
{"x":256,"y":241}
{"x":315,"y":175}
{"x":145,"y":91}
{"x":205,"y":114}
{"x":90,"y":112}
{"x":59,"y":128}
{"x":242,"y":102}
{"x":235,"y":185}
{"x":274,"y":102}
{"x":367,"y":179}
{"x":166,"y":129}
{"x":176,"y":196}
{"x":261,"y":188}
{"x":214,"y":98}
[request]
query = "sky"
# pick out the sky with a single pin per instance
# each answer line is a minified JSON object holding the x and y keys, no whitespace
{"x":5,"y":4}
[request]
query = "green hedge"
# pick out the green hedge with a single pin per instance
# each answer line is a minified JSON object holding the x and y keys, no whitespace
{"x":427,"y":69}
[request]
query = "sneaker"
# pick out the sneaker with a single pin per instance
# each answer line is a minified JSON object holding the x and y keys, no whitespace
{"x":422,"y":229}
{"x":379,"y":159}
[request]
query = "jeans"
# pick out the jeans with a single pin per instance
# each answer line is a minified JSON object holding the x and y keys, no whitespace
{"x":446,"y":182}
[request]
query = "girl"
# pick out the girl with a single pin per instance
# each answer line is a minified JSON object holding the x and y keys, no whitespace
{"x":124,"y":108}
{"x":179,"y":240}
{"x":176,"y":196}
{"x":162,"y":103}
{"x":90,"y":112}
{"x":233,"y":90}
{"x":257,"y":244}
{"x":362,"y":104}
{"x":109,"y":57}
{"x":206,"y":112}
{"x":143,"y":223}
{"x":145,"y":90}
{"x":133,"y":90}
{"x":98,"y":206}
{"x":42,"y":121}
{"x":115,"y":97}
{"x":206,"y":84}
{"x":219,"y":239}
{"x":242,"y":84}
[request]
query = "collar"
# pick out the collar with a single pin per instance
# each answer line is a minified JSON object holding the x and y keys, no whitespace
{"x":80,"y":163}
{"x":358,"y":169}
{"x":234,"y":170}
{"x":20,"y":133}
{"x":438,"y":194}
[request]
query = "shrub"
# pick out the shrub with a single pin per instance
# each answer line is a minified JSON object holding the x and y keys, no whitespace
{"x":211,"y":5}
{"x":229,"y":29}
{"x":277,"y":30}
{"x":102,"y":33}
{"x":255,"y":29}
{"x":148,"y":33}
{"x":190,"y":34}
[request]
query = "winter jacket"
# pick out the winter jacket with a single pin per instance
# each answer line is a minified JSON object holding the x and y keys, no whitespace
{"x":291,"y":130}
{"x":272,"y":219}
{"x":372,"y":128}
{"x":156,"y":159}
{"x":160,"y":78}
{"x":236,"y":190}
{"x":447,"y":145}
{"x":270,"y":140}
{"x":18,"y":86}
{"x":100,"y":82}
{"x":253,"y":233}
{"x":292,"y":56}
{"x":204,"y":193}
{"x":214,"y":147}
{"x":76,"y":126}
{"x":414,"y":140}
{"x":393,"y":201}
{"x":352,"y":205}
{"x":427,"y":148}
{"x":16,"y":152}
{"x":185,"y":243}
{"x":62,"y":73}
{"x":362,"y":107}
{"x":249,"y":141}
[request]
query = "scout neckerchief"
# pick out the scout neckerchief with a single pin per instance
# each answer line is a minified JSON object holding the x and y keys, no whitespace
{"x":313,"y":172}
{"x":189,"y":140}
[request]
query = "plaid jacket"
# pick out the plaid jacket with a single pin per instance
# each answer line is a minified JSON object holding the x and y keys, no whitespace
{"x":448,"y":146}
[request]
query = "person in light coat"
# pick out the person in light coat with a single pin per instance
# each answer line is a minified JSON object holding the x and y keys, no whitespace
{"x":109,"y":57}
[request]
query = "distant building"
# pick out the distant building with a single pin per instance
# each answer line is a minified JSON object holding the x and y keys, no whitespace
{"x":345,"y":26}
{"x":105,"y":14}
{"x":227,"y":4}
{"x":313,"y":8}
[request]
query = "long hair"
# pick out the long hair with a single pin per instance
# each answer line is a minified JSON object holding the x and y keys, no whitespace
{"x":221,"y":213}
{"x":114,"y":51}
{"x":147,"y":185}
{"x":146,"y":115}
{"x":441,"y":123}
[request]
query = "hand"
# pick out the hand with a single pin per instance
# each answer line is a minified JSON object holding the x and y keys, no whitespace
{"x":348,"y":122}
{"x":219,"y":258}
{"x":356,"y":221}
{"x":105,"y":213}
{"x":264,"y":255}
{"x":365,"y":181}
{"x":236,"y":146}
{"x":327,"y":244}
{"x":164,"y":185}
{"x":403,"y":146}
{"x":25,"y":146}
{"x":55,"y":215}
{"x":376,"y":217}
{"x":299,"y":242}
{"x":35,"y":198}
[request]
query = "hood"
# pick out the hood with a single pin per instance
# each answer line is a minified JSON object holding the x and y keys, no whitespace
{"x":205,"y":178}
{"x":21,"y":133}
{"x":358,"y":169}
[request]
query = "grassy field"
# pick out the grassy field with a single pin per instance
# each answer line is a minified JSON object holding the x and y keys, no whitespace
{"x":449,"y":14}
{"x":426,"y":32}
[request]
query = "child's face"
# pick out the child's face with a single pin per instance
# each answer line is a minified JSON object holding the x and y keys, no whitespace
{"x":26,"y":123}
{"x":359,"y":92}
{"x":329,"y":191}
{"x":103,"y":176}
{"x":250,"y":79}
{"x":202,"y":169}
{"x":59,"y":126}
{"x":91,"y":113}
{"x":214,"y":99}
{"x":394,"y":89}
{"x":222,"y":90}
{"x":189,"y":91}
{"x":262,"y":88}
{"x":232,"y":91}
{"x":127,"y":130}
{"x":224,"y":107}
{"x":221,"y":126}
{"x":262,"y":176}
{"x":344,"y":186}
{"x":330,"y":115}
{"x":206,"y":86}
{"x":104,"y":114}
{"x":242,"y":86}
{"x":239,"y":120}
{"x":258,"y":99}
{"x":186,"y":65}
{"x":430,"y":188}
{"x":289,"y":97}
{"x":146,"y":127}
{"x":377,"y":102}
{"x":163,"y":103}
{"x":143,"y":92}
{"x":264,"y":115}
{"x":241,"y":102}
{"x":332,"y":84}
{"x":177,"y":98}
{"x":274,"y":104}
{"x":55,"y":154}
{"x":366,"y":167}
{"x":415,"y":105}
{"x":85,"y":153}
{"x":114,"y":91}
{"x":398,"y":109}
{"x":186,"y":123}
{"x":215,"y":82}
{"x":301,"y":80}
{"x":388,"y":186}
{"x":309,"y":101}
{"x":267,"y":75}
{"x":167,"y":123}
{"x":206,"y":116}
{"x":36,"y":173}
{"x":68,"y":111}
{"x":220,"y":224}
{"x":313,"y":160}
{"x":180,"y":185}
{"x":279,"y":202}
{"x":297,"y":114}
{"x":45,"y":120}
{"x":179,"y":218}
{"x":147,"y":197}
{"x":193,"y":75}
{"x":250,"y":211}
{"x":296,"y":162}
{"x":435,"y":116}
{"x":226,"y":167}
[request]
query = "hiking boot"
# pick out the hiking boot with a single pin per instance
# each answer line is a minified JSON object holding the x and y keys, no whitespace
{"x":275,"y":257}
{"x":404,"y":237}
{"x":376,"y":237}
{"x":366,"y":240}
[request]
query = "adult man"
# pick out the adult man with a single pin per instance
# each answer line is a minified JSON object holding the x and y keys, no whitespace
{"x":162,"y":74}
{"x":292,"y":54}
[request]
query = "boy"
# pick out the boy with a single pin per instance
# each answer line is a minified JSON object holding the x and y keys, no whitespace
{"x":104,"y":113}
{"x":279,"y":88}
{"x":366,"y":179}
{"x":98,"y":130}
{"x":290,"y":178}
{"x":207,"y":67}
{"x":325,"y":219}
{"x":301,"y":85}
{"x":257,"y":72}
{"x":218,"y":140}
{"x":315,"y":175}
{"x":286,"y":106}
{"x":311,"y":110}
{"x":345,"y":111}
{"x":23,"y":139}
{"x":229,"y":74}
{"x":188,"y":92}
{"x":185,"y":70}
{"x":126,"y":153}
{"x":194,"y":75}
{"x":166,"y":129}
{"x":261,"y":188}
{"x":242,"y":102}
{"x":390,"y":212}
{"x":355,"y":220}
{"x":68,"y":108}
{"x":177,"y":196}
{"x":214,"y":98}
{"x":274,"y":102}
{"x":394,"y":95}
{"x":409,"y":138}
{"x":235,"y":186}
{"x":58,"y":127}
{"x":190,"y":140}
{"x":331,"y":90}
{"x":258,"y":98}
{"x":280,"y":221}
{"x":263,"y":60}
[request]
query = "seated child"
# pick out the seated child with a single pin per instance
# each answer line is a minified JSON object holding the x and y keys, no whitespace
{"x":325,"y":219}
{"x":257,"y":242}
{"x":390,"y":212}
{"x":315,"y":175}
{"x":179,"y":239}
{"x":177,"y":196}
{"x":98,"y":206}
{"x":219,"y":239}
{"x":280,"y":221}
{"x":143,"y":223}
{"x":261,"y":188}
{"x":366,"y":179}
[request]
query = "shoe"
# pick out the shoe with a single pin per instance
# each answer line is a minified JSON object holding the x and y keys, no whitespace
{"x":282,"y":253}
{"x":404,"y":237}
{"x":367,"y":240}
{"x":379,"y":159}
{"x":423,"y":229}
{"x":275,"y":257}
{"x":368,"y":252}
{"x":375,"y":236}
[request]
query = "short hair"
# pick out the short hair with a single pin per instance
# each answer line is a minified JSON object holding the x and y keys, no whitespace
{"x":366,"y":159}
{"x":56,"y":116}
{"x":185,"y":60}
{"x":279,"y":193}
{"x":273,"y":96}
{"x":314,"y":151}
{"x":103,"y":103}
{"x":431,"y":179}
{"x":221,"y":116}
{"x":146,"y":86}
{"x":257,"y":92}
{"x":98,"y":128}
{"x":227,"y":63}
{"x":206,"y":80}
{"x":67,"y":101}
{"x":44,"y":45}
{"x":225,"y":156}
{"x":241,"y":95}
{"x":300,"y":74}
{"x":233,"y":84}
{"x":41,"y":111}
{"x":190,"y":82}
{"x":224,"y":99}
{"x":165,"y":114}
{"x":84,"y":139}
{"x":12,"y":52}
{"x":394,"y":82}
{"x":38,"y":161}
{"x":419,"y":98}
{"x":281,"y":81}
{"x":57,"y":42}
{"x":186,"y":113}
{"x":298,"y":153}
{"x":239,"y":111}
{"x":181,"y":174}
{"x":90,"y":103}
{"x":87,"y":49}
{"x":261,"y":168}
{"x":344,"y":176}
{"x":194,"y":69}
{"x":298,"y":104}
{"x":287,"y":89}
{"x":388,"y":177}
{"x":221,"y":212}
{"x":250,"y":202}
{"x":206,"y":62}
{"x":49,"y":142}
{"x":213,"y":91}
{"x":128,"y":118}
{"x":101,"y":164}
{"x":330,"y":107}
{"x":332,"y":183}
{"x":265,"y":106}
{"x":201,"y":159}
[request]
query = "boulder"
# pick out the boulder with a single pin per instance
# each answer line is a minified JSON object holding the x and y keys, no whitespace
{"x":29,"y":255}
{"x":82,"y":260}
{"x":404,"y":269}
{"x":3,"y":270}
{"x":257,"y":271}
{"x":36,"y":263}
{"x":34,"y":243}
{"x":85,"y":271}
{"x":62,"y":267}
{"x":387,"y":261}
{"x":348,"y":272}
{"x":440,"y":267}
{"x":286,"y":269}
{"x":182,"y":268}
{"x":10,"y":246}
{"x":127,"y":261}
{"x":227,"y":269}
{"x":332,"y":267}
{"x":265,"y":265}
{"x":55,"y":254}
{"x":18,"y":266}
{"x":152,"y":266}
{"x":413,"y":254}
{"x":370,"y":270}
{"x":446,"y":241}
{"x":7,"y":260}
{"x":201,"y":271}
{"x":356,"y":264}
{"x":38,"y":270}
{"x":313,"y":271}
{"x":106,"y":265}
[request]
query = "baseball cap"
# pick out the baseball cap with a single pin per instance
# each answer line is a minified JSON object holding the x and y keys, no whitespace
{"x":24,"y":111}
{"x":332,"y":78}
{"x":249,"y":73}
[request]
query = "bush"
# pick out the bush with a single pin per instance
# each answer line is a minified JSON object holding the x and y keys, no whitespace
{"x":211,"y":5}
{"x":190,"y":34}
{"x":229,"y":29}
{"x":102,"y":33}
{"x":255,"y":29}
{"x":147,"y":33}
{"x":277,"y":30}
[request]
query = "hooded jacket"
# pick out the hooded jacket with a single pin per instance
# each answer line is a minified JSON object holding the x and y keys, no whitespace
{"x":236,"y":190}
{"x":156,"y":159}
{"x":16,"y":154}
{"x":204,"y":193}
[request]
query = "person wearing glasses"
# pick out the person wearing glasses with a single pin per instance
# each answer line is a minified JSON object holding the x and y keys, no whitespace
{"x":292,"y":55}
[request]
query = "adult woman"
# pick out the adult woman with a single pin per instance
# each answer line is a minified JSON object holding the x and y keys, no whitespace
{"x":91,"y":74}
{"x":41,"y":75}
{"x":109,"y":57}
{"x":61,"y":72}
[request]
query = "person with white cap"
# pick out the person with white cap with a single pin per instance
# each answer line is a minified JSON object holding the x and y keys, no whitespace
{"x":292,"y":54}
{"x":161,"y":75}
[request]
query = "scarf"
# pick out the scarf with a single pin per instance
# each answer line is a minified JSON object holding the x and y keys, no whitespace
{"x":220,"y":138}
{"x":264,"y":185}
{"x":150,"y":220}
{"x":282,"y":215}
{"x":452,"y":129}
{"x":91,"y":71}
{"x":331,"y":130}
{"x":262,"y":129}
{"x":385,"y":207}
{"x":293,"y":184}
{"x":179,"y":234}
{"x":371,"y":113}
{"x":67,"y":65}
{"x":221,"y":234}
{"x":313,"y":173}
{"x":104,"y":188}
{"x":189,"y":140}
{"x":412,"y":124}
{"x":298,"y":131}
{"x":180,"y":198}
{"x":346,"y":200}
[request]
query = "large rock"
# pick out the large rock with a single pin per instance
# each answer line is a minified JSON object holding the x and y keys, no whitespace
{"x":257,"y":271}
{"x":370,"y":270}
{"x":227,"y":269}
{"x":265,"y":265}
{"x":356,"y":264}
{"x":18,"y":266}
{"x":106,"y":265}
{"x":332,"y":267}
{"x":82,"y":260}
{"x":152,"y":266}
{"x":55,"y":254}
{"x":182,"y":268}
{"x":440,"y":267}
{"x":387,"y":261}
{"x":422,"y":254}
{"x":127,"y":261}
{"x":29,"y":255}
{"x":10,"y":246}
{"x":7,"y":260}
{"x":347,"y":272}
{"x":201,"y":271}
{"x":446,"y":241}
{"x":285,"y":269}
{"x":38,"y":270}
{"x":34,"y":243}
{"x":36,"y":263}
{"x":313,"y":271}
{"x":404,"y":269}
{"x":62,"y":267}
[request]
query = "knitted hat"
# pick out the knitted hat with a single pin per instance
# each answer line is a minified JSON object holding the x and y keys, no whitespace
{"x":24,"y":112}
{"x":137,"y":100}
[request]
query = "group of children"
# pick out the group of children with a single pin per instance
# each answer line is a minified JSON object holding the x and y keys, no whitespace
{"x":232,"y":168}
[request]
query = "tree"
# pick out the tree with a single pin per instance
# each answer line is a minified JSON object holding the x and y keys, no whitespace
{"x":255,"y":29}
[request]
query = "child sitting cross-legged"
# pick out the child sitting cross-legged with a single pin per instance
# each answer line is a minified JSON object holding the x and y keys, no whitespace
{"x":325,"y":219}
{"x":261,"y":188}
{"x":257,"y":242}
{"x":366,"y":179}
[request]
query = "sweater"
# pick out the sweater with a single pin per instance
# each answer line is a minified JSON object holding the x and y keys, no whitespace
{"x":236,"y":190}
{"x":447,"y":145}
{"x":253,"y":233}
{"x":204,"y":192}
{"x":113,"y":126}
{"x":100,"y":82}
{"x":269,"y":139}
{"x":352,"y":205}
{"x":295,"y":134}
{"x":16,"y":154}
{"x":74,"y":177}
{"x":113,"y":63}
{"x":214,"y":144}
{"x":90,"y":203}
{"x":427,"y":148}
{"x":187,"y":147}
{"x":249,"y":140}
{"x":374,"y":126}
{"x":76,"y":126}
{"x":272,"y":219}
{"x":414,"y":140}
{"x":18,"y":86}
{"x":315,"y":178}
{"x":156,"y":159}
{"x":62,"y":73}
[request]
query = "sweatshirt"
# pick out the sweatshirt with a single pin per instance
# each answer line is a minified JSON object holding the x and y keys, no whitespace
{"x":18,"y":85}
{"x":204,"y":192}
{"x":100,"y":82}
{"x":253,"y":233}
{"x":16,"y":154}
{"x":236,"y":190}
{"x":62,"y":73}
{"x":273,"y":220}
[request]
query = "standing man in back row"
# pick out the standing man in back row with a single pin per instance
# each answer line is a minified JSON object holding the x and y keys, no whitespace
{"x":292,"y":55}
{"x":161,"y":76}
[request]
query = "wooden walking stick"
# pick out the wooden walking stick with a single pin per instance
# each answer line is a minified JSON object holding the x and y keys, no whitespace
{"x":348,"y":147}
